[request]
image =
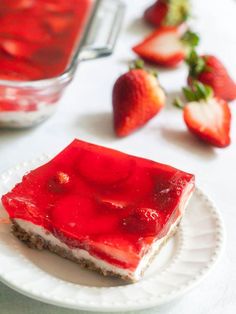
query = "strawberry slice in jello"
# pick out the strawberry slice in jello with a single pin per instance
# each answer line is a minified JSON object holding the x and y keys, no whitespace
{"x":18,"y":48}
{"x":99,"y":207}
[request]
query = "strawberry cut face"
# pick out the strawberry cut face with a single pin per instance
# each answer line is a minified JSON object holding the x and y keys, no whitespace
{"x":210,"y":121}
{"x":163,"y":47}
{"x":100,"y":213}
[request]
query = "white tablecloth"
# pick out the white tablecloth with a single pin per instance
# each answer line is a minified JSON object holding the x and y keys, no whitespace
{"x":85,"y":112}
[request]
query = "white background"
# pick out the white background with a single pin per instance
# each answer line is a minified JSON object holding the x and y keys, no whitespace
{"x":85,"y":113}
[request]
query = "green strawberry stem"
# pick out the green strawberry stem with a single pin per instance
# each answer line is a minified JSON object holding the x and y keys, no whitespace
{"x":139,"y":65}
{"x":178,"y":103}
{"x":190,"y":39}
{"x":196,"y":64}
{"x":197,"y":92}
{"x":178,"y":12}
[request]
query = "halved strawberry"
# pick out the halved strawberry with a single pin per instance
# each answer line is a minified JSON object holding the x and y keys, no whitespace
{"x":167,"y":12}
{"x":206,"y":116}
{"x":137,"y":98}
{"x":167,"y":46}
{"x":210,"y":71}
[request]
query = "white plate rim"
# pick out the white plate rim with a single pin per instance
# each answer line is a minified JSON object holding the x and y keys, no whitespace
{"x":126,"y":305}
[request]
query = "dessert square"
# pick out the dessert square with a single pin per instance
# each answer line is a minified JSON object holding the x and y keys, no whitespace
{"x":99,"y":207}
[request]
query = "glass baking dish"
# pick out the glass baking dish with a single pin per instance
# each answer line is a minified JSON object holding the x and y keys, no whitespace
{"x":30,"y":102}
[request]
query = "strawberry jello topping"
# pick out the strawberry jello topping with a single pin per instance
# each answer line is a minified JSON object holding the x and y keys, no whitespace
{"x":111,"y":204}
{"x":37,"y":37}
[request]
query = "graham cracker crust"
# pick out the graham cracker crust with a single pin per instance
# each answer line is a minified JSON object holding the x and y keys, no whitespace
{"x":35,"y":241}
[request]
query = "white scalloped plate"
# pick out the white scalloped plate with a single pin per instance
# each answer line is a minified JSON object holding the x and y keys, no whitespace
{"x":182,"y":263}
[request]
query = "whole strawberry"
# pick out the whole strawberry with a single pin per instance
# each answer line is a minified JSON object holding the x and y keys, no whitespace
{"x":167,"y":46}
{"x":206,"y":116}
{"x":167,"y":12}
{"x":137,"y":97}
{"x":210,"y":71}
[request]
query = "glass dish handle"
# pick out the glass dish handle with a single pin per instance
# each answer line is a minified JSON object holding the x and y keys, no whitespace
{"x":103,"y":31}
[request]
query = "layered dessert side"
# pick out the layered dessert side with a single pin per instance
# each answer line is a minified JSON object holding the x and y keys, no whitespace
{"x":101,"y":208}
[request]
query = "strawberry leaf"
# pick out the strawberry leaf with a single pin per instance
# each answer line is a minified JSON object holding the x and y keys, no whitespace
{"x":139,"y":65}
{"x":190,"y":39}
{"x":209,"y":91}
{"x":189,"y":94}
{"x":202,"y":91}
{"x":178,"y":103}
{"x":197,"y":92}
{"x":199,"y":89}
{"x":196,"y":64}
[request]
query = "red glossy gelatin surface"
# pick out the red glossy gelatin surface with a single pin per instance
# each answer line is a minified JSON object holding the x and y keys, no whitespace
{"x":100,"y":199}
{"x":37,"y":37}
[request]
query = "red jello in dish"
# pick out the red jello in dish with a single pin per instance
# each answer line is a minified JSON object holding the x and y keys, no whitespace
{"x":37,"y":37}
{"x":41,"y":43}
{"x":99,"y":207}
